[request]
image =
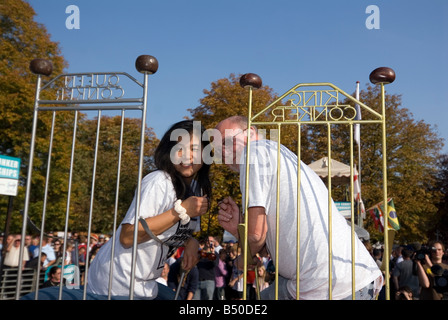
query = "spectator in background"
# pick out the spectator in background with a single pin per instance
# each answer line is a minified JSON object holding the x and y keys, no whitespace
{"x":206,"y":268}
{"x":34,"y":244}
{"x":28,"y":242}
{"x":163,"y":279}
{"x":48,"y":250}
{"x":221,"y":275}
{"x":50,"y":238}
{"x":404,"y":293}
{"x":12,"y":254}
{"x":429,"y":270}
{"x":101,"y":240}
{"x":58,"y":248}
{"x":236,"y":281}
{"x":214,"y":243}
{"x":403,"y":276}
{"x":33,"y":263}
{"x":93,"y":241}
{"x":376,"y":253}
{"x":262,"y":279}
{"x":54,"y":277}
{"x":190,"y":281}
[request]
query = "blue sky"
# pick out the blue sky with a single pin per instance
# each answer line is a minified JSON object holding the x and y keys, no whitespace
{"x":286,"y":42}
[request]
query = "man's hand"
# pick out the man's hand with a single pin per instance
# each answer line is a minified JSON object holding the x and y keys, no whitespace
{"x":229,"y":216}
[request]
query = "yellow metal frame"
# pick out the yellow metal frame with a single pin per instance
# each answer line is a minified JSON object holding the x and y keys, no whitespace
{"x":315,"y":116}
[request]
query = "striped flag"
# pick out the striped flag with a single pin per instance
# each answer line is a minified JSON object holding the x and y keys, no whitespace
{"x":377,"y":214}
{"x":357,"y":194}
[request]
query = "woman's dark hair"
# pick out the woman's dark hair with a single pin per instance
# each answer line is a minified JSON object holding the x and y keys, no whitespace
{"x":163,"y":162}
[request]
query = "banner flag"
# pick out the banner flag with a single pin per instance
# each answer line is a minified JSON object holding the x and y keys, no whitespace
{"x":357,"y":195}
{"x":392,"y":218}
{"x":377,"y":214}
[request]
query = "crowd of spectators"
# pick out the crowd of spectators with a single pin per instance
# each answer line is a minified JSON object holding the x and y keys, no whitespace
{"x":417,"y":272}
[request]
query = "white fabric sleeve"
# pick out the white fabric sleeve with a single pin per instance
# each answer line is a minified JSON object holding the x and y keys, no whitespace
{"x":261,"y":175}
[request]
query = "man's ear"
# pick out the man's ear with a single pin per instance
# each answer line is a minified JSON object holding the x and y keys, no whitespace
{"x":253,"y":133}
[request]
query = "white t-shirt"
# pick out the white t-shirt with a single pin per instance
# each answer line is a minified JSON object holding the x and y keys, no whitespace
{"x":157,"y":196}
{"x":314,"y":266}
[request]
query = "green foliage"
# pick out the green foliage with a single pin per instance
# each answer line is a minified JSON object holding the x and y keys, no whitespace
{"x":22,"y":40}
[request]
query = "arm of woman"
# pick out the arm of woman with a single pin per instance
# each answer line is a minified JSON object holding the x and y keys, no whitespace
{"x":195,"y":206}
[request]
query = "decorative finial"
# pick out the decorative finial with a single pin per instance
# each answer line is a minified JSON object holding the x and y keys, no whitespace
{"x":250,"y":80}
{"x":146,"y":64}
{"x":41,"y":66}
{"x":382,"y":75}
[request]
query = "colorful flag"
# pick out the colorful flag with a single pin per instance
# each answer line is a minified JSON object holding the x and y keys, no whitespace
{"x":377,"y":213}
{"x":357,"y":194}
{"x":392,"y":218}
{"x":377,"y":216}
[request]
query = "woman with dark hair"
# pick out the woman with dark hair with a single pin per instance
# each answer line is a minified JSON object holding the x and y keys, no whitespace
{"x":173,"y":198}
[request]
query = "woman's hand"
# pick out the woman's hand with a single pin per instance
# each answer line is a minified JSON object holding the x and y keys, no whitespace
{"x":195,"y":206}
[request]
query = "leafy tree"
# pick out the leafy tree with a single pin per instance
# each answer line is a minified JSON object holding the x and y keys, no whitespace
{"x":440,"y":225}
{"x":413,"y":148}
{"x":21,"y":40}
{"x":106,"y":171}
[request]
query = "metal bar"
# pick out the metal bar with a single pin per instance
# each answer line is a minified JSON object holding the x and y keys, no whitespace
{"x":277,"y":222}
{"x":92,"y":101}
{"x":352,"y":213}
{"x":92,"y":199}
{"x":316,"y":122}
{"x":44,"y":209}
{"x":139,"y":181}
{"x":386,"y":223}
{"x":109,"y":294}
{"x":28,"y":183}
{"x":91,"y":108}
{"x":298,"y":210}
{"x":318,"y":84}
{"x":49,"y":84}
{"x":330,"y":219}
{"x":246,"y":200}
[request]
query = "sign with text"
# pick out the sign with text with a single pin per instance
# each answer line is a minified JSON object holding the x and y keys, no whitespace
{"x":9,"y":175}
{"x":344,"y":207}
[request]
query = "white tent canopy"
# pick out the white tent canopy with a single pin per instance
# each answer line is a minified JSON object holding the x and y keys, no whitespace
{"x":340,"y":172}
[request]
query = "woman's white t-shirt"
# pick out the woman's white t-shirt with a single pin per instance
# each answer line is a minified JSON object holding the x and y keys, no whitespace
{"x":157,"y":196}
{"x":314,"y":235}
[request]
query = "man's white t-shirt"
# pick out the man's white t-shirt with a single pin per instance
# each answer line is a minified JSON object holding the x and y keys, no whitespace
{"x":157,"y":196}
{"x":314,"y":235}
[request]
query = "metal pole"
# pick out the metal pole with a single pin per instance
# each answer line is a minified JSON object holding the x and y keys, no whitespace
{"x":139,"y":181}
{"x":386,"y":224}
{"x":28,"y":185}
{"x":246,"y":200}
{"x":116,"y":206}
{"x":298,"y":211}
{"x":330,"y":229}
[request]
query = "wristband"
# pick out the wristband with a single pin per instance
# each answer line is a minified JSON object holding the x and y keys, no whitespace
{"x":182,"y":212}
